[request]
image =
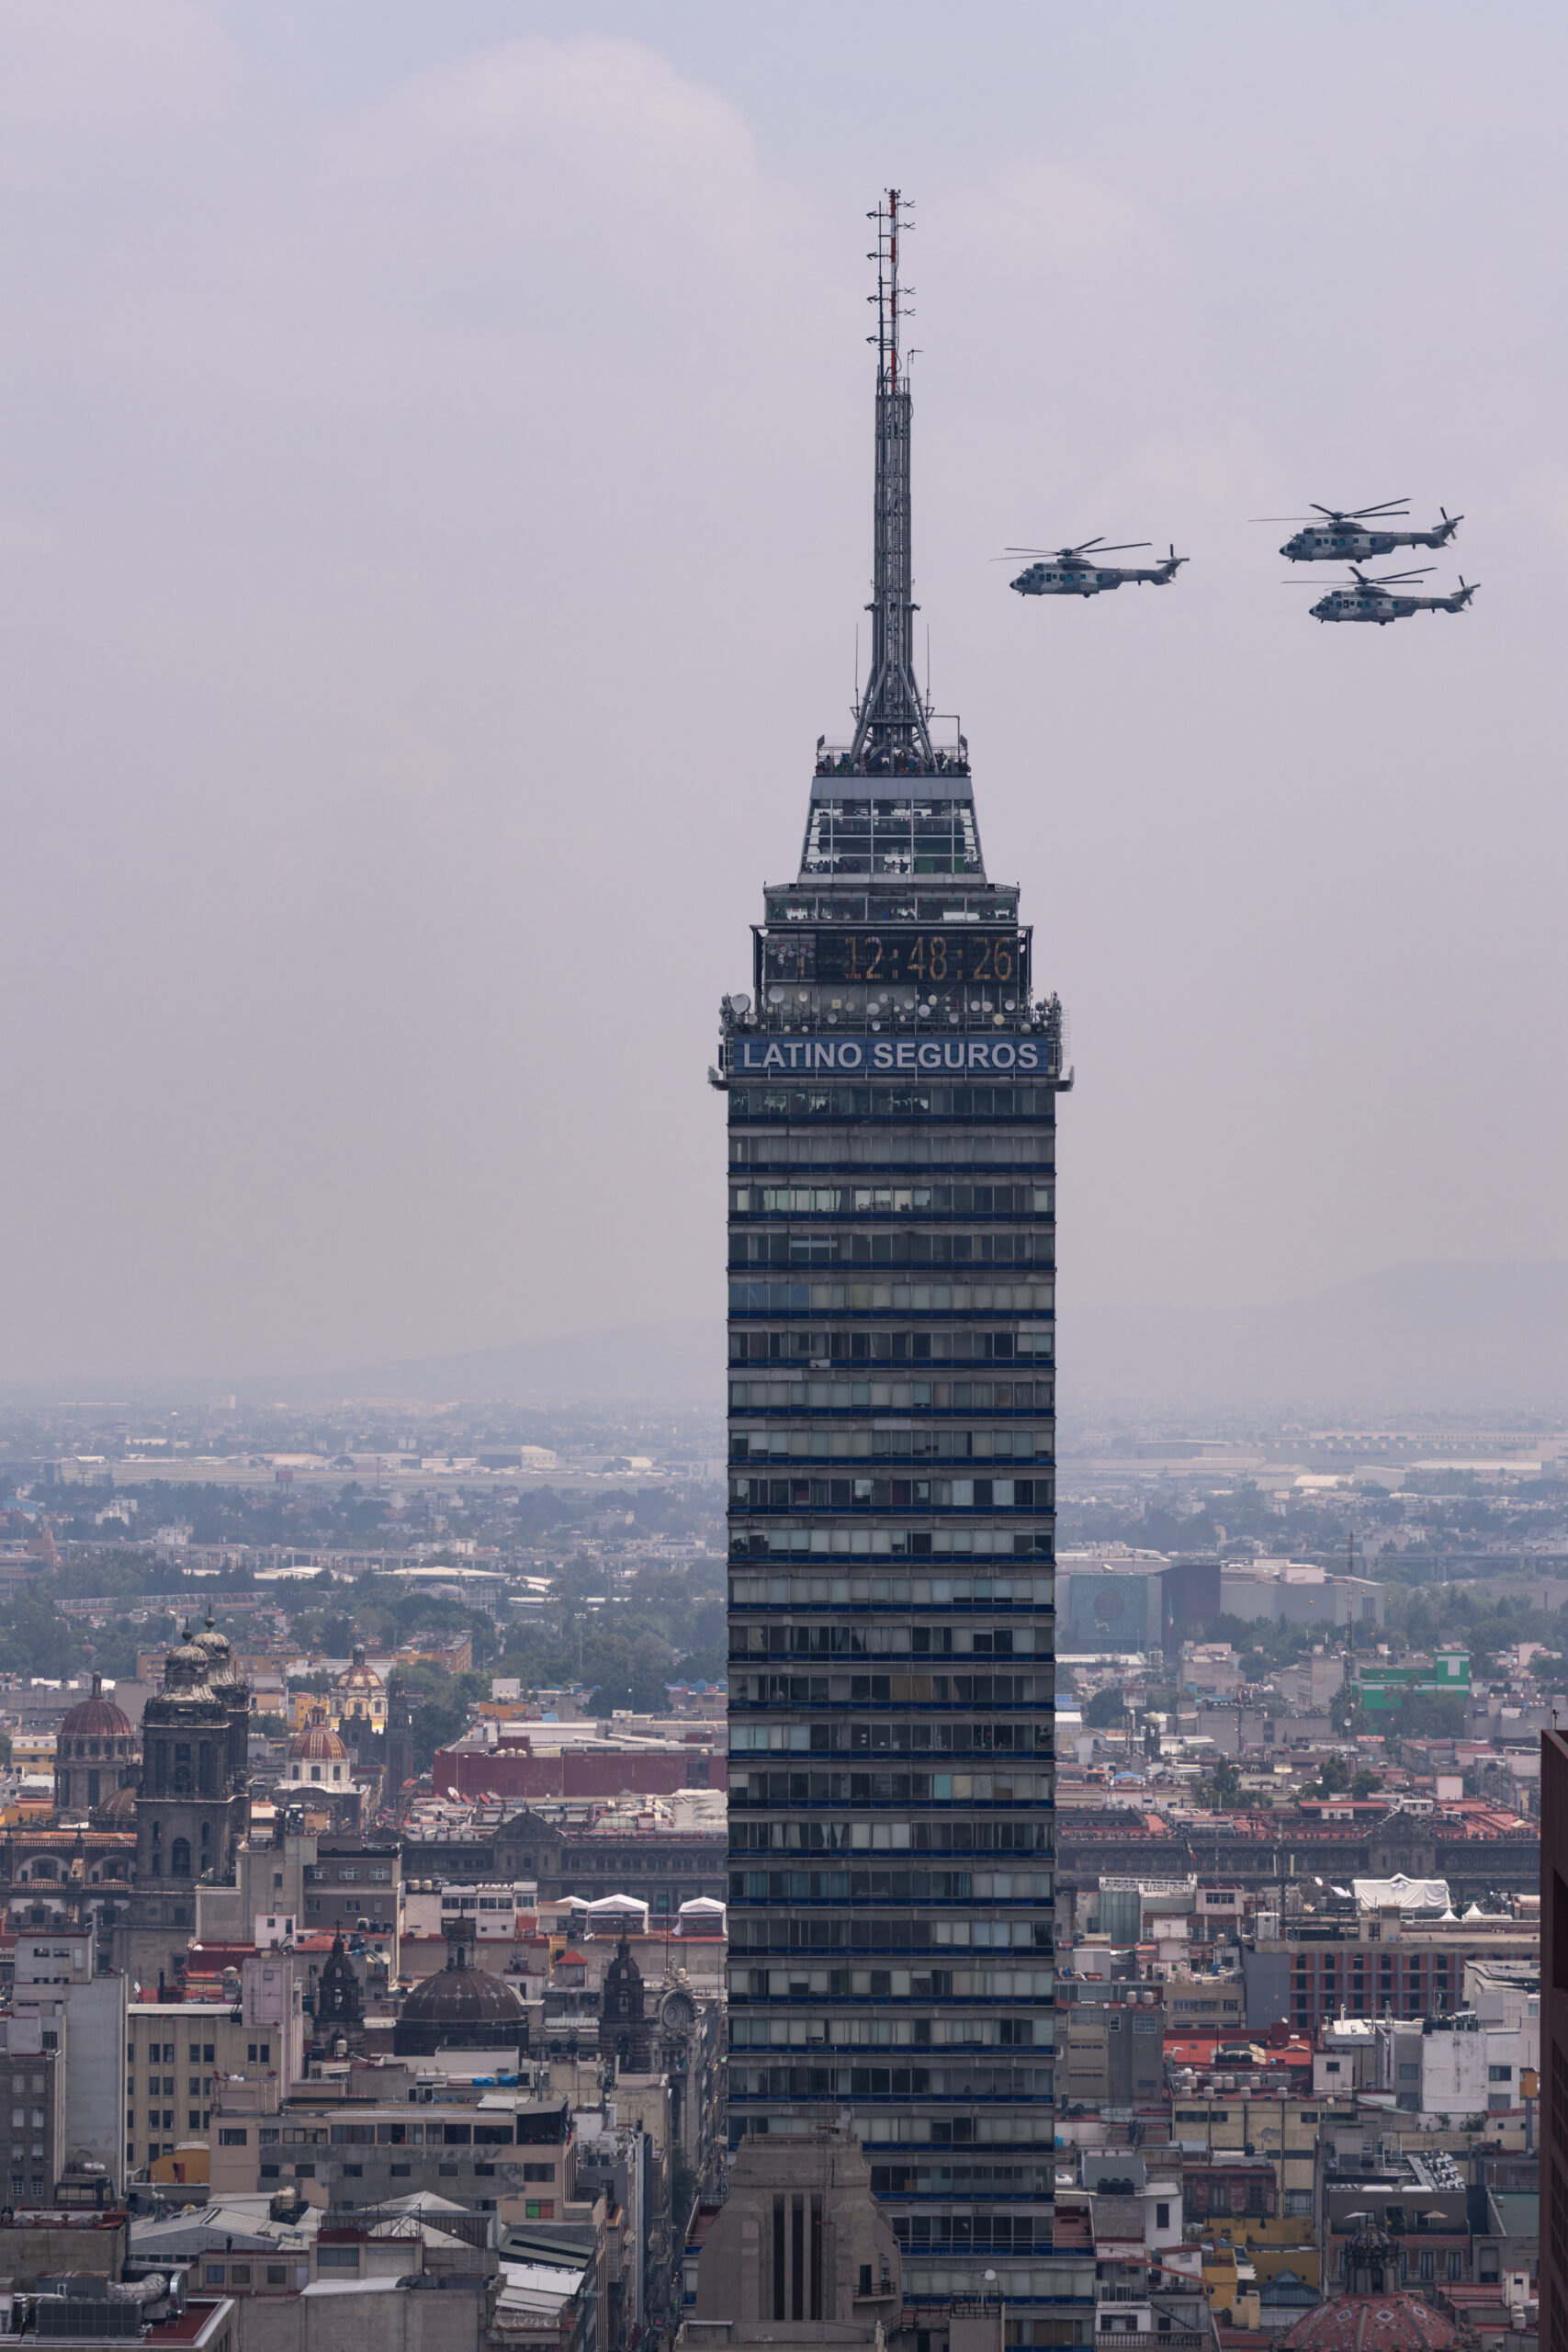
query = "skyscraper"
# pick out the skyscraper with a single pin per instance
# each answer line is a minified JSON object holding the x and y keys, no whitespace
{"x":891,"y":1080}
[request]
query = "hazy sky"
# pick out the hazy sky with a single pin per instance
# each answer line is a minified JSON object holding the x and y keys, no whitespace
{"x":434,"y":501}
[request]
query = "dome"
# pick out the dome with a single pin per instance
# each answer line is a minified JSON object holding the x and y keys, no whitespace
{"x":1372,"y":2323}
{"x":461,"y":2007}
{"x":96,"y":1718}
{"x":463,"y":1996}
{"x":218,"y":1650}
{"x":118,"y":1811}
{"x":186,"y":1667}
{"x":317,"y":1743}
{"x":359,"y":1677}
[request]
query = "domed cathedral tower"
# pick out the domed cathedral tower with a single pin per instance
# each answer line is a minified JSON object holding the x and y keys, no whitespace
{"x":361,"y":1691}
{"x":623,"y":2037}
{"x":224,"y":1677}
{"x":95,"y":1755}
{"x":192,"y":1811}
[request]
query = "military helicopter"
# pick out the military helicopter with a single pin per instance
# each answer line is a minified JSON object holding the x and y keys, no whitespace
{"x":1078,"y":571}
{"x":1359,"y":533}
{"x":1362,"y":599}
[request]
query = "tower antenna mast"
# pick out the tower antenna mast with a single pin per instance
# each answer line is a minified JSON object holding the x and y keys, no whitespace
{"x":891,"y":731}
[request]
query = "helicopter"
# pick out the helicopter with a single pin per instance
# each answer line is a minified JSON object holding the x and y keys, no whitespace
{"x":1364,"y":599}
{"x":1360,"y":532}
{"x":1078,"y":571}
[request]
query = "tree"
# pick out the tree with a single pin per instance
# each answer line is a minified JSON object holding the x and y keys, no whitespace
{"x":1223,"y":1784}
{"x":1106,"y":1707}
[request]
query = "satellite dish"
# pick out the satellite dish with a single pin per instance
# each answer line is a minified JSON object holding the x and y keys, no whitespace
{"x":742,"y":1004}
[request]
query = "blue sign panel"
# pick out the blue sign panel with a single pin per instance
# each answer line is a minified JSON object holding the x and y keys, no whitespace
{"x":765,"y":1057}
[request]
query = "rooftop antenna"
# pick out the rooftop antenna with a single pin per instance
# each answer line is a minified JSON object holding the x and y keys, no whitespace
{"x":890,"y":728}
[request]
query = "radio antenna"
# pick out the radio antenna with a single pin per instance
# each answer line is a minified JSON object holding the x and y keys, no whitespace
{"x":891,"y":727}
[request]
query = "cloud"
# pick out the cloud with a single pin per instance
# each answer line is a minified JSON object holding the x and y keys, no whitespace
{"x":101,"y":71}
{"x":1039,"y":219}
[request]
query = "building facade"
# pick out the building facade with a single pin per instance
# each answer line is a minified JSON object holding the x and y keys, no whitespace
{"x":891,"y":1084}
{"x":1554,"y":2042}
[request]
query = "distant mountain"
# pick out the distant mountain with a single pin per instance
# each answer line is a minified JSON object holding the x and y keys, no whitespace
{"x":1489,"y":1337}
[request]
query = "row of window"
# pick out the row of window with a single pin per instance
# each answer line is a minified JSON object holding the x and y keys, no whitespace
{"x":992,"y":904}
{"x":850,"y":1544}
{"x":927,"y":1443}
{"x":907,"y":1298}
{"x":893,"y":1640}
{"x":795,"y":1395}
{"x":944,"y":2231}
{"x":755,"y":1789}
{"x":844,"y":1737}
{"x":879,"y":1932}
{"x":892,"y":1590}
{"x":890,"y":1493}
{"x":893,"y":2082}
{"x":783,"y":1253}
{"x":891,"y":1886}
{"x":938,"y":1343}
{"x":893,"y":1837}
{"x":800,"y":1979}
{"x":910,"y":1099}
{"x":895,"y":1689}
{"x":892,"y":1199}
{"x":891,"y":2033}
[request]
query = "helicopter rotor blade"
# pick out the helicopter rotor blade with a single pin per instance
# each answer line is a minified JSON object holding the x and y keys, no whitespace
{"x":1385,"y":506}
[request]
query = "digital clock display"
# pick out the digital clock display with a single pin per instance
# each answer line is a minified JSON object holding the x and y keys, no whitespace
{"x":929,"y":958}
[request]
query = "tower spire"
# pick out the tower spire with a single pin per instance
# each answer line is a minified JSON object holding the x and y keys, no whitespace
{"x":891,"y":732}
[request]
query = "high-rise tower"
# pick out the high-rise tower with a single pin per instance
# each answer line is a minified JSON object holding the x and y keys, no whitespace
{"x":891,"y":1081}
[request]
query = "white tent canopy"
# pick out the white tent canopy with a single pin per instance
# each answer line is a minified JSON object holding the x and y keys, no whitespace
{"x":1401,"y":1893}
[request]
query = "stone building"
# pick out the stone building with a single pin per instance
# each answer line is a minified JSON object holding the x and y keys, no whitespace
{"x":193,"y":1808}
{"x":623,"y":2037}
{"x":317,"y":1758}
{"x":94,"y":1753}
{"x":340,"y":2007}
{"x":799,"y":2251}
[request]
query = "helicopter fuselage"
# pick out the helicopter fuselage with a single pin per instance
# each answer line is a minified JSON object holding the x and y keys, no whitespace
{"x":1369,"y":604}
{"x":1348,"y":543}
{"x":1087,"y":580}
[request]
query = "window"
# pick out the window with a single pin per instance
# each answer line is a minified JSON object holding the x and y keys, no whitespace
{"x":1426,"y":2272}
{"x":542,"y":2209}
{"x":1456,"y":2263}
{"x":539,"y":2172}
{"x":1408,"y":2073}
{"x":1162,"y":2217}
{"x":1499,"y":2073}
{"x":179,"y":1857}
{"x":229,"y":2137}
{"x":337,"y":2257}
{"x":277,"y":2275}
{"x":212,"y":2274}
{"x":239,"y":2274}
